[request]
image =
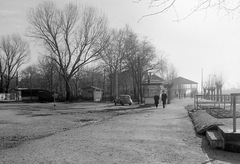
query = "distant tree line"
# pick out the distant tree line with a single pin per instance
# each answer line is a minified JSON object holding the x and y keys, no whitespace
{"x":79,"y":50}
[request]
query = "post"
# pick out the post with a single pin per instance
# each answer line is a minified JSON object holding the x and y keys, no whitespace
{"x":224,"y":97}
{"x":54,"y":99}
{"x":197,"y":102}
{"x":138,"y":80}
{"x":202,"y":83}
{"x":194,"y":101}
{"x":30,"y":83}
{"x":234,"y":113}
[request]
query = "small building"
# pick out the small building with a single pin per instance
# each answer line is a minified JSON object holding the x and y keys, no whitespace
{"x":92,"y":93}
{"x":184,"y":87}
{"x":33,"y":94}
{"x":151,"y":86}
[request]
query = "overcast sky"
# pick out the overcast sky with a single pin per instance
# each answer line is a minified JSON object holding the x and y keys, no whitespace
{"x":208,"y":41}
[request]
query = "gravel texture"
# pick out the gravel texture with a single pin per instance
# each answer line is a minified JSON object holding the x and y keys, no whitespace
{"x":108,"y":134}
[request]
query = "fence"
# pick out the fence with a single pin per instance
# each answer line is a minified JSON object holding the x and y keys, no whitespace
{"x":232,"y":100}
{"x":223,"y":101}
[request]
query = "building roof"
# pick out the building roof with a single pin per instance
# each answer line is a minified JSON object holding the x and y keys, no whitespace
{"x":154,"y":79}
{"x":92,"y":87}
{"x":181,"y":80}
{"x":31,"y":89}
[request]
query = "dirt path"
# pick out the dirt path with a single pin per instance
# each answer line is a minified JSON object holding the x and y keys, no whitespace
{"x":150,"y":136}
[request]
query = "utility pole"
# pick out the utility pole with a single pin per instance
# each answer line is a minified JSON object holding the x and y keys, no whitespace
{"x":1,"y":73}
{"x":202,"y":83}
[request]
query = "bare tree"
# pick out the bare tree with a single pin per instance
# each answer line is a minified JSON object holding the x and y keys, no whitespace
{"x":14,"y":52}
{"x":132,"y":60}
{"x":209,"y":87}
{"x":141,"y":57}
{"x":113,"y":56}
{"x":75,"y":36}
{"x":228,"y":6}
{"x":49,"y":74}
{"x":76,"y":82}
{"x":31,"y":77}
{"x":219,"y":82}
{"x":146,"y":60}
{"x":170,"y":72}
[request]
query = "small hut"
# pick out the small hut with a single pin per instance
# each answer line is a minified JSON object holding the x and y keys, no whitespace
{"x":92,"y":93}
{"x":151,"y":86}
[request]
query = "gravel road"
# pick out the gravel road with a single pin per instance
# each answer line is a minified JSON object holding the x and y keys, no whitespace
{"x":144,"y":136}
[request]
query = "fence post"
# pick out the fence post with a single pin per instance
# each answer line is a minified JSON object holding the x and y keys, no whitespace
{"x":224,"y":97}
{"x":234,"y":113}
{"x":197,"y":102}
{"x":194,"y":101}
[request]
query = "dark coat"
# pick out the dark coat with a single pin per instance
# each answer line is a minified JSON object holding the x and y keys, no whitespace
{"x":156,"y":99}
{"x":164,"y":98}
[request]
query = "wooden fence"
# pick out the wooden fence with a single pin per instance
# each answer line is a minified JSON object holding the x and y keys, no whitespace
{"x":221,"y":101}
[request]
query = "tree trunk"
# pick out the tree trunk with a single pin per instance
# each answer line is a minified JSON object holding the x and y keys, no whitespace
{"x":116,"y":84}
{"x":60,"y":85}
{"x":169,"y":95}
{"x":134,"y":86}
{"x":103,"y":93}
{"x":136,"y":79}
{"x":220,"y":88}
{"x":208,"y":94}
{"x":51,"y":78}
{"x":76,"y":89}
{"x":1,"y":84}
{"x":211,"y":94}
{"x":111,"y":86}
{"x":68,"y":90}
{"x":7,"y":84}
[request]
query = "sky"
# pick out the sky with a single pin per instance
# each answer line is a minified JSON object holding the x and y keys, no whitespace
{"x":204,"y":44}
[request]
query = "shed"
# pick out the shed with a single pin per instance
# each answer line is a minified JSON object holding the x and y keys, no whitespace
{"x":34,"y":94}
{"x":92,"y":93}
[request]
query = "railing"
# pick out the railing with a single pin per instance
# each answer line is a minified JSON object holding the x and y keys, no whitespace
{"x":214,"y":100}
{"x":233,"y":100}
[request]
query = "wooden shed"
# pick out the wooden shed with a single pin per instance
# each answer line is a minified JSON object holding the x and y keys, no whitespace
{"x":92,"y":93}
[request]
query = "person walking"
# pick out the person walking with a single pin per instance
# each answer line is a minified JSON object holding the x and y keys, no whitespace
{"x":156,"y":100}
{"x":164,"y":98}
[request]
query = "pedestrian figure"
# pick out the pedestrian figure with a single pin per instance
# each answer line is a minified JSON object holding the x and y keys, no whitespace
{"x":164,"y":98}
{"x":156,"y":100}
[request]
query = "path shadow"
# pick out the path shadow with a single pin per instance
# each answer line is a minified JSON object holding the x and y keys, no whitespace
{"x":216,"y":155}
